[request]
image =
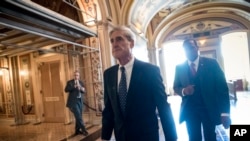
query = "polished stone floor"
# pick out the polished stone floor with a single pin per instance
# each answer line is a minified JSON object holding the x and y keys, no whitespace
{"x":61,"y":132}
{"x":44,"y":131}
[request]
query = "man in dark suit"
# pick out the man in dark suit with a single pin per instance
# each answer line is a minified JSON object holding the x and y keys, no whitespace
{"x":204,"y":92}
{"x":137,"y":119}
{"x":76,"y":89}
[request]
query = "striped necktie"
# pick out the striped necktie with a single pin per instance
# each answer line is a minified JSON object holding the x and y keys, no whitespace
{"x":193,"y":70}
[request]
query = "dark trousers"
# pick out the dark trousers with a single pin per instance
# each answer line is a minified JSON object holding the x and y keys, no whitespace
{"x":77,"y":111}
{"x":198,"y":123}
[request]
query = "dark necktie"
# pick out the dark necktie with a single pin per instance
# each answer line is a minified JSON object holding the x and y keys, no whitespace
{"x":79,"y":92}
{"x":122,"y":90}
{"x":193,"y":70}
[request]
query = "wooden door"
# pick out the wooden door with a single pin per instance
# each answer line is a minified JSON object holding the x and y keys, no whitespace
{"x":52,"y":92}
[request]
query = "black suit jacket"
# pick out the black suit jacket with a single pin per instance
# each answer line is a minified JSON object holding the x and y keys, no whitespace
{"x":146,"y":93}
{"x":73,"y":93}
{"x":213,"y":88}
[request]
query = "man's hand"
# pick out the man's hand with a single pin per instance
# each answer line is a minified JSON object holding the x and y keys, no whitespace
{"x":82,"y":88}
{"x":189,"y":90}
{"x":77,"y":84}
{"x":226,"y":121}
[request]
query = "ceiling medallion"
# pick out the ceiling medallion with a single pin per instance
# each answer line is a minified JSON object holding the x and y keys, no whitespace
{"x":200,"y":26}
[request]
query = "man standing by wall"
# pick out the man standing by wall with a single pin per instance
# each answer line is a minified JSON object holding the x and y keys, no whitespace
{"x":76,"y":89}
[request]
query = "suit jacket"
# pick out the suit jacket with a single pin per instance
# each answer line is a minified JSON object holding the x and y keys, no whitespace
{"x":73,"y":93}
{"x":146,"y":92}
{"x":212,"y":84}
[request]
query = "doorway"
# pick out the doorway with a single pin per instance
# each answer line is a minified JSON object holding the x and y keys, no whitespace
{"x":52,"y":92}
{"x":173,"y":54}
{"x":235,"y":53}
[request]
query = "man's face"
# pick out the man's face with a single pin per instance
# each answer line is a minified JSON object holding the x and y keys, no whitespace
{"x":76,"y":76}
{"x":121,"y":46}
{"x":191,"y":50}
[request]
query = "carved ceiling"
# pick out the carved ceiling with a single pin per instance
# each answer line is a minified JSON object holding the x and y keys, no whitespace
{"x":145,"y":10}
{"x":155,"y":11}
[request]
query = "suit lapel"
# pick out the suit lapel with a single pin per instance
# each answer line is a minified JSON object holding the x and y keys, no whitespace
{"x":113,"y":75}
{"x":136,"y":75}
{"x":202,"y":70}
{"x":201,"y":65}
{"x":185,"y":73}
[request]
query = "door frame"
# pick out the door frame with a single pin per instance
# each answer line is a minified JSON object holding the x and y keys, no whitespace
{"x":38,"y":84}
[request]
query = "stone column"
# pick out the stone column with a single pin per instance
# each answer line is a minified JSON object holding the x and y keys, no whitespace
{"x":17,"y":97}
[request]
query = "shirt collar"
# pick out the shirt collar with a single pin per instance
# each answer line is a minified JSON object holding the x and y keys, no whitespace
{"x":129,"y":64}
{"x":196,"y":61}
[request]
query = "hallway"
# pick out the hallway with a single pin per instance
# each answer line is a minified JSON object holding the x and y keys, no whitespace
{"x":43,"y":41}
{"x":60,"y":132}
